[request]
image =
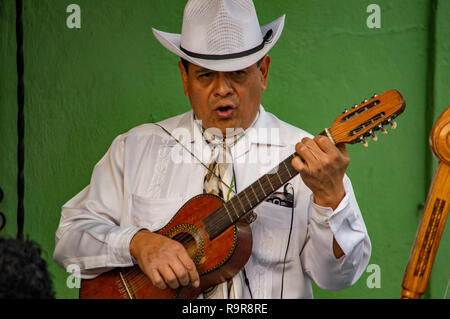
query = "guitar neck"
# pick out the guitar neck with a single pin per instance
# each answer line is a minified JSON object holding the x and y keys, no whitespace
{"x":245,"y":201}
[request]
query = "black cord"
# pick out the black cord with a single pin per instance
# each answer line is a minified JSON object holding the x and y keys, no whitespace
{"x":20,"y":119}
{"x":247,"y":282}
{"x":289,"y":240}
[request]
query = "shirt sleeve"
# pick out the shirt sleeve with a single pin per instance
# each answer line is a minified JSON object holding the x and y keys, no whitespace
{"x":346,"y":225}
{"x":89,"y":233}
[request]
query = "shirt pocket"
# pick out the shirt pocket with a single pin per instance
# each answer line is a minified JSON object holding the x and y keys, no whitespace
{"x":154,"y":213}
{"x":277,"y":216}
{"x":271,"y":233}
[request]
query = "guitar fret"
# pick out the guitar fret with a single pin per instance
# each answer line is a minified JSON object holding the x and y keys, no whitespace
{"x":281,"y":181}
{"x":228,"y":212}
{"x":240,"y":202}
{"x":262,"y":188}
{"x":249,"y":202}
{"x":268,"y":178}
{"x":251,"y":186}
{"x":290,"y":175}
{"x":234,"y":208}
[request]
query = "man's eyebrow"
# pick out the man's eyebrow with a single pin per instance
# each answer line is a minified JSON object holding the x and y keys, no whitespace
{"x":202,"y":70}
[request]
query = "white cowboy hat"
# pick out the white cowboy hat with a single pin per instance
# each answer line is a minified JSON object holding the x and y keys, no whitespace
{"x":222,"y":35}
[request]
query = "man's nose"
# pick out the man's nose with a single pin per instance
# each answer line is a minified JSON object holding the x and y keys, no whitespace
{"x":223,"y":86}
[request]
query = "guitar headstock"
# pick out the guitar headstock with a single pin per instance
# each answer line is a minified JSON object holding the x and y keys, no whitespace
{"x":364,"y":120}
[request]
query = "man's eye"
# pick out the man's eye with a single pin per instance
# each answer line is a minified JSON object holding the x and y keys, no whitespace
{"x":239,"y":72}
{"x":206,"y":75}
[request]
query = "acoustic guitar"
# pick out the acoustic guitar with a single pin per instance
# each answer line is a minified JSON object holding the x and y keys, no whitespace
{"x":213,"y":231}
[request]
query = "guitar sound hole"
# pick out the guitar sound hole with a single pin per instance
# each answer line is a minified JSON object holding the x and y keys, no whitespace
{"x":189,"y":242}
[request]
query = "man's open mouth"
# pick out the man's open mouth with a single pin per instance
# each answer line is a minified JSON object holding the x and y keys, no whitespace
{"x":224,"y":111}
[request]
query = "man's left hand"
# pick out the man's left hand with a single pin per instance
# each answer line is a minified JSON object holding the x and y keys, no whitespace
{"x":322,"y":166}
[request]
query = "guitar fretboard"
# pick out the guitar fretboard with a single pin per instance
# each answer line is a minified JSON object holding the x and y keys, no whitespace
{"x":245,"y":201}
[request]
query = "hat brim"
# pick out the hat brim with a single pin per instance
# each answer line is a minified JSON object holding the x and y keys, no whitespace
{"x":172,"y":41}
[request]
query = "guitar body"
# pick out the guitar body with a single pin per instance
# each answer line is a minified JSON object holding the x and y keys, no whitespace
{"x":217,"y":260}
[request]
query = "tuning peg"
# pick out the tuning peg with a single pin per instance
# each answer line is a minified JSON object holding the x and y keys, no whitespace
{"x":392,"y":123}
{"x":374,"y":137}
{"x":365,"y":143}
{"x":365,"y":100}
{"x":355,"y":106}
{"x":374,"y":95}
{"x":379,"y":127}
{"x":345,"y":111}
{"x":362,"y":140}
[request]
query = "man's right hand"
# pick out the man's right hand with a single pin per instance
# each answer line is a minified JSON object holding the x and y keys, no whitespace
{"x":165,"y":261}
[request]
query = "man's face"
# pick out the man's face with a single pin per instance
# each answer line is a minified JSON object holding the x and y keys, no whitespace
{"x":225,"y":99}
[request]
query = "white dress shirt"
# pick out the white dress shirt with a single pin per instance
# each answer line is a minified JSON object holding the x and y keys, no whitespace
{"x":146,"y":176}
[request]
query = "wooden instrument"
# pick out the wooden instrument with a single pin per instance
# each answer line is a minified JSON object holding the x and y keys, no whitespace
{"x":212,"y":231}
{"x":432,"y":223}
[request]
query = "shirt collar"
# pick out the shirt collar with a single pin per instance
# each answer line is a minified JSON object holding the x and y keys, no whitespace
{"x":265,"y":130}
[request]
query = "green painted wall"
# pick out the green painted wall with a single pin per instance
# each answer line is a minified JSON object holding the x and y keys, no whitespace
{"x":85,"y":86}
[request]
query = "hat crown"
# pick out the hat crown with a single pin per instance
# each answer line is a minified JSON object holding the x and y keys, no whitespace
{"x":216,"y":27}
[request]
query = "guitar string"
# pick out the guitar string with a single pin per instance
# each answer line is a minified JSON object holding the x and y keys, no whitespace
{"x":137,"y":279}
{"x":259,"y":194}
{"x":223,"y":219}
{"x":222,"y":222}
{"x":140,"y":282}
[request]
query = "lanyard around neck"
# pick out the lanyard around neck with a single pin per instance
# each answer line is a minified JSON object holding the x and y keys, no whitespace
{"x":193,"y":155}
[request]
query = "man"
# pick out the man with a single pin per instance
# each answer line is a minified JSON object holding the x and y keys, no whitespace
{"x":141,"y":182}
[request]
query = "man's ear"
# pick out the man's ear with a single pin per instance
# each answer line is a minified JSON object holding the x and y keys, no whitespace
{"x":184,"y":78}
{"x":264,"y":69}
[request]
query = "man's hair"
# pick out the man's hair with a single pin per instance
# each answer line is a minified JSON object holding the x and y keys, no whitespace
{"x":23,"y":273}
{"x":186,"y":63}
